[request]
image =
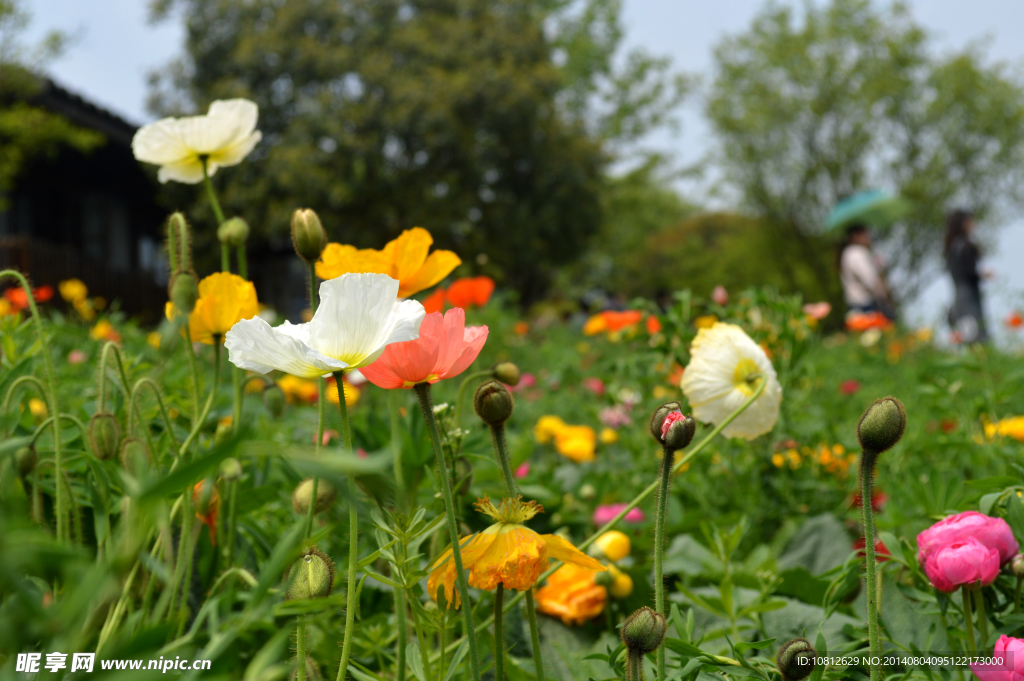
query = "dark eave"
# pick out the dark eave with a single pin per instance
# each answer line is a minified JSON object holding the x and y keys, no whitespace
{"x":83,"y":112}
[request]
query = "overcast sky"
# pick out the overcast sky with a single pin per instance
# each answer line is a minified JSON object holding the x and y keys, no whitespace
{"x":116,"y":48}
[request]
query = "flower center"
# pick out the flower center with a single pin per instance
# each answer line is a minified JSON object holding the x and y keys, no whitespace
{"x":428,"y":379}
{"x":509,"y":511}
{"x":742,"y":374}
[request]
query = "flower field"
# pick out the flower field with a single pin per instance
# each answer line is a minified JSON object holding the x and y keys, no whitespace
{"x":423,"y":481}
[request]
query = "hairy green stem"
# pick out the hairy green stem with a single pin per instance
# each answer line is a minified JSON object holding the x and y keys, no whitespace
{"x":531,"y":616}
{"x":426,"y":405}
{"x":353,"y":534}
{"x":214,"y":203}
{"x":611,"y":524}
{"x":499,"y":638}
{"x":501,"y":453}
{"x":403,"y":630}
{"x":312,"y":287}
{"x":979,"y":602}
{"x":51,"y":379}
{"x":320,"y":400}
{"x":243,"y":265}
{"x":137,"y":389}
{"x":867,"y":465}
{"x":634,"y":666}
{"x":232,"y":522}
{"x":968,"y":619}
{"x":236,"y":409}
{"x":661,"y":511}
{"x":16,"y":384}
{"x":300,"y":647}
{"x":396,"y":451}
{"x":225,"y":257}
{"x":194,"y":367}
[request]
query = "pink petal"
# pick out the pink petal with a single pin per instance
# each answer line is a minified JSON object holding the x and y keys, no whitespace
{"x":473,"y":342}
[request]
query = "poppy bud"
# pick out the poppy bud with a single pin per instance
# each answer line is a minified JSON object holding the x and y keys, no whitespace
{"x":796,"y":659}
{"x":308,"y":235}
{"x":25,"y":460}
{"x":882,"y":425}
{"x":134,"y":456}
{"x":179,"y":250}
{"x":325,"y":496}
{"x":659,"y":417}
{"x":587,"y":492}
{"x":493,"y":403}
{"x":507,"y":373}
{"x":1017,"y":566}
{"x":644,"y":630}
{"x":233,"y":232}
{"x":621,"y":585}
{"x":463,"y":475}
{"x":104,"y":435}
{"x":224,"y":430}
{"x":230,"y":469}
{"x":311,"y":576}
{"x":184,"y":291}
{"x":274,"y":400}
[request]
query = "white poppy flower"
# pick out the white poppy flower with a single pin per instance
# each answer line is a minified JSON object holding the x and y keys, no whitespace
{"x":715,"y":381}
{"x":357,"y":318}
{"x":224,"y":136}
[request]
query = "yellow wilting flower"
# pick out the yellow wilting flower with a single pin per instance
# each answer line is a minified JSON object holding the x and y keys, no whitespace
{"x":573,"y":596}
{"x":507,"y":552}
{"x":224,"y":300}
{"x":405,"y":259}
{"x":717,"y":381}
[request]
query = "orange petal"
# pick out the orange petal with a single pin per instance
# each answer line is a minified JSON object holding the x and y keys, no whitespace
{"x":436,"y":267}
{"x":339,"y":259}
{"x":559,"y":549}
{"x":515,"y":559}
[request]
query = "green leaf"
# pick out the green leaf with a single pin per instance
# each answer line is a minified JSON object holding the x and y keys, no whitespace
{"x":754,"y":645}
{"x":986,"y":502}
{"x":682,"y":647}
{"x":797,"y":582}
{"x":412,"y":658}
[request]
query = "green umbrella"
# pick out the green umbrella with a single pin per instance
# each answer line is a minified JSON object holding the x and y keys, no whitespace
{"x":874,"y":208}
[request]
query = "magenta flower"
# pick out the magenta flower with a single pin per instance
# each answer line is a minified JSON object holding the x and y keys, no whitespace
{"x":615,"y":417}
{"x":527,"y":380}
{"x":991,"y":532}
{"x":522,"y":470}
{"x":604,"y":514}
{"x":1011,"y":652}
{"x":966,"y":561}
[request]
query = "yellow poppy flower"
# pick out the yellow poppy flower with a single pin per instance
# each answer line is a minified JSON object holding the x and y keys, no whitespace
{"x":405,"y":259}
{"x":224,"y":300}
{"x":576,"y":443}
{"x":507,"y":552}
{"x":609,"y":436}
{"x":547,"y":428}
{"x":72,"y":290}
{"x":614,"y":545}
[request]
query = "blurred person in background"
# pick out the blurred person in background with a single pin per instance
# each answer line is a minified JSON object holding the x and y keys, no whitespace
{"x":860,"y":270}
{"x":966,"y":317}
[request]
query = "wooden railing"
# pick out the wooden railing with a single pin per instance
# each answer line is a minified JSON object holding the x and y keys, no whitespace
{"x":47,"y":263}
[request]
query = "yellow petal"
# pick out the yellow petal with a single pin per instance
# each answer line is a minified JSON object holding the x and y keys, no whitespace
{"x":339,"y":259}
{"x":409,"y":251}
{"x":515,"y":559}
{"x":559,"y":549}
{"x":436,"y":267}
{"x":442,"y":572}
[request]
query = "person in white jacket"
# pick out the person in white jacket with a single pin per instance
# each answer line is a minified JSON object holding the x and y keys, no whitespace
{"x":864,"y":286}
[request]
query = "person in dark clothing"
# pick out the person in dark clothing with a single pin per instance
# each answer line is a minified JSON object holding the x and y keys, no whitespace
{"x":966,"y":316}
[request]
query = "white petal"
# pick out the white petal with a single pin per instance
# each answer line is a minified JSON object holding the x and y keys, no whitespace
{"x":189,"y":171}
{"x":159,"y":143}
{"x":233,"y":154}
{"x":358,"y":317}
{"x":243,"y":111}
{"x":254,"y":345}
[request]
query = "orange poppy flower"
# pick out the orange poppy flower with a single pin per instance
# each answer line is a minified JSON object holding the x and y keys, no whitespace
{"x":507,"y":552}
{"x":572,"y":595}
{"x":435,"y":301}
{"x":862,"y":321}
{"x":653,"y":325}
{"x":405,"y":259}
{"x":470,"y":291}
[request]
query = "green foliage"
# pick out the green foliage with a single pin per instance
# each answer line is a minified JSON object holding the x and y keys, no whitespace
{"x":29,"y":133}
{"x":450,"y":115}
{"x":852,"y":98}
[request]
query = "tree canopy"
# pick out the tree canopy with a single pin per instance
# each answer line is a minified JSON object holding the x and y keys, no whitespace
{"x":488,"y":122}
{"x":812,"y":106}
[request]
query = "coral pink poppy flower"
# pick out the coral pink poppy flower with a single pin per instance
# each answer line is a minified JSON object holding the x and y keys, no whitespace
{"x":994,"y":533}
{"x":1010,"y":653}
{"x":817,"y":311}
{"x":444,"y":349}
{"x":720,"y":295}
{"x":966,"y":561}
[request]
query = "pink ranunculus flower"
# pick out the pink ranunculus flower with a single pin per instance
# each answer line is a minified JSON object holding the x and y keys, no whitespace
{"x":604,"y":514}
{"x":522,"y":470}
{"x":720,"y":295}
{"x":817,"y":310}
{"x":992,"y":532}
{"x":965,"y":561}
{"x":1010,"y":651}
{"x":444,"y":349}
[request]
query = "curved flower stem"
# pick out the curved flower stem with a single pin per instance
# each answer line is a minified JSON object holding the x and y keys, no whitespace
{"x":214,"y":203}
{"x":979,"y":602}
{"x":229,"y":548}
{"x":501,"y":453}
{"x":611,"y":524}
{"x":51,"y":379}
{"x":462,"y":393}
{"x":531,"y":616}
{"x":867,"y":465}
{"x":311,"y":511}
{"x":137,"y":388}
{"x":300,"y":647}
{"x":1016,"y":596}
{"x":634,"y":666}
{"x":236,"y":392}
{"x":312,"y":287}
{"x":661,"y":510}
{"x":353,"y":532}
{"x":968,"y":619}
{"x":28,"y":378}
{"x":396,"y":451}
{"x":195,"y":371}
{"x":499,"y":638}
{"x":426,"y":405}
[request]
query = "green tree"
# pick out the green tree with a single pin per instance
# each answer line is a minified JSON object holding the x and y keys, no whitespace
{"x":462,"y":116}
{"x":853,"y":97}
{"x":29,"y":132}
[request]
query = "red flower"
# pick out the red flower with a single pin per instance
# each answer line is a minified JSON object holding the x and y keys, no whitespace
{"x":1015,"y":320}
{"x":653,"y":325}
{"x":881,"y":551}
{"x":849,"y":387}
{"x":435,"y":301}
{"x":878,"y":500}
{"x":594,"y":385}
{"x":948,"y":425}
{"x":470,"y":291}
